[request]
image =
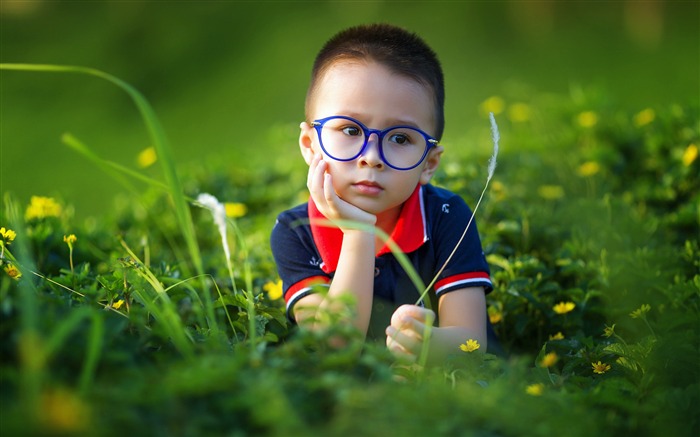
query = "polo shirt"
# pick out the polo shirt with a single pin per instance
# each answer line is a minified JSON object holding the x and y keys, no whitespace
{"x":429,"y":226}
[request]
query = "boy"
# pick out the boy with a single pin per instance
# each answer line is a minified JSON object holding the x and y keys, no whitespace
{"x":374,"y":112}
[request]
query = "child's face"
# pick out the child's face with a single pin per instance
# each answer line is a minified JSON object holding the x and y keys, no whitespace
{"x":379,"y":99}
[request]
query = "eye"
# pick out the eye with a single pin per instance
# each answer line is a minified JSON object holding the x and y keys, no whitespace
{"x":352,"y":131}
{"x":400,"y":139}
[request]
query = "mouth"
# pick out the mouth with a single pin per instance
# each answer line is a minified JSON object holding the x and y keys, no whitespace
{"x":368,"y":187}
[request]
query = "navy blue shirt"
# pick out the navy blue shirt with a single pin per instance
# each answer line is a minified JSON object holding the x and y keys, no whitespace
{"x":430,"y":224}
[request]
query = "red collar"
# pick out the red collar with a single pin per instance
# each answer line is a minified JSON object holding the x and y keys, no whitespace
{"x":409,"y":232}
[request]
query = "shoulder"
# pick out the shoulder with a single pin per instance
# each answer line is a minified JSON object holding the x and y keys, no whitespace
{"x":292,"y":224}
{"x":440,"y":201}
{"x":293,"y":216}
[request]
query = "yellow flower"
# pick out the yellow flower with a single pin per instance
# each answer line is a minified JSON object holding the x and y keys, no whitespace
{"x":519,"y":112}
{"x":609,"y":331}
{"x":550,"y":192}
{"x":535,"y":389}
{"x":493,"y":104}
{"x":640,"y":312}
{"x":273,"y":289}
{"x":564,"y":307}
{"x":557,"y":336}
{"x":587,"y":119}
{"x":690,"y":155}
{"x":147,"y":157}
{"x":12,"y":271}
{"x":42,"y":207}
{"x":588,"y":168}
{"x":549,"y":359}
{"x":495,"y":316}
{"x":470,"y":346}
{"x":600,"y":367}
{"x":235,"y":210}
{"x":8,"y":235}
{"x":63,"y":412}
{"x":69,"y":239}
{"x":118,"y":304}
{"x":644,"y":117}
{"x":498,"y":189}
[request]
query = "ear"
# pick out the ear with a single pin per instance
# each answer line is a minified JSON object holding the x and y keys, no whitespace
{"x":306,"y":141}
{"x":430,"y":164}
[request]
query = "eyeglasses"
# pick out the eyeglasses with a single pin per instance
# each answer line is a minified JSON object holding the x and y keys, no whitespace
{"x":400,"y":147}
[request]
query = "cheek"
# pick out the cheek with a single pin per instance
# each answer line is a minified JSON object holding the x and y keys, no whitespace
{"x":336,"y":170}
{"x":410,"y":179}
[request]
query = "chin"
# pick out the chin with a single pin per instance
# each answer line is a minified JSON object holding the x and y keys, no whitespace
{"x":371,"y":206}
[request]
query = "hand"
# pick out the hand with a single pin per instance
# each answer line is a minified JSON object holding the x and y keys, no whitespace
{"x":408,"y":329}
{"x":320,"y":184}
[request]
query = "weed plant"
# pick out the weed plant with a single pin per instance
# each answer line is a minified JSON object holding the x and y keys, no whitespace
{"x":136,"y":322}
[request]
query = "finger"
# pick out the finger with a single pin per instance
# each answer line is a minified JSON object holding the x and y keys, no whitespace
{"x":316,"y":188}
{"x":403,"y":340}
{"x":397,"y":349}
{"x":398,"y":315}
{"x":403,"y":356}
{"x":415,"y":329}
{"x":313,"y":165}
{"x":328,"y":190}
{"x":414,"y":312}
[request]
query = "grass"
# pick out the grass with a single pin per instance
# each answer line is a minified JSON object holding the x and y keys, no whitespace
{"x":594,"y":252}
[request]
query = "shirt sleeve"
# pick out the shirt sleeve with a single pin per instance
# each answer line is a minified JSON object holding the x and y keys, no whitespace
{"x":298,"y":261}
{"x":467,"y":267}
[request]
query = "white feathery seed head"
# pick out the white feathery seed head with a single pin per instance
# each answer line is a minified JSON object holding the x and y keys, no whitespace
{"x":495,"y":136}
{"x":218,"y":212}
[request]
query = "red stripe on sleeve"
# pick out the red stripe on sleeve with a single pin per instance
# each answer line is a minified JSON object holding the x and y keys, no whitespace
{"x":464,"y":278}
{"x":305,"y":283}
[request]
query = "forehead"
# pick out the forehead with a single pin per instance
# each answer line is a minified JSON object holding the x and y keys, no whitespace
{"x":374,"y":94}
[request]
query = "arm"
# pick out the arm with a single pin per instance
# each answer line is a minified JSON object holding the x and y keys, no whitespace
{"x":355,"y":273}
{"x":462,"y":317}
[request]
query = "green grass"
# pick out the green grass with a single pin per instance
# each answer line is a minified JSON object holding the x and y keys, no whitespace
{"x":604,"y":216}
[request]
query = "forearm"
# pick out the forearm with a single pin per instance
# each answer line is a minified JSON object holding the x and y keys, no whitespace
{"x":355,"y":275}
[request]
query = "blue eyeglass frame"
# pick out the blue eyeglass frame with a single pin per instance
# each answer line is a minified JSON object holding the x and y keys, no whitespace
{"x":430,"y":142}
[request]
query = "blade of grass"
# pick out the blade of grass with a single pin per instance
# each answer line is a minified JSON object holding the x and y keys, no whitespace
{"x":495,"y":136}
{"x":62,"y":331}
{"x":163,"y":152}
{"x":218,"y":213}
{"x":491,"y":169}
{"x":250,"y":297}
{"x":164,"y":312}
{"x":92,"y":354}
{"x":391,"y":244}
{"x":112,"y":168}
{"x":400,"y":257}
{"x":32,"y":371}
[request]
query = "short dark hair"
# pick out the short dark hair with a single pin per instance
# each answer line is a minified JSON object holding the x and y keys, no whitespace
{"x":401,"y":51}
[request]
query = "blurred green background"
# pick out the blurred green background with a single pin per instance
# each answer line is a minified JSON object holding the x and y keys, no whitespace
{"x":228,"y":79}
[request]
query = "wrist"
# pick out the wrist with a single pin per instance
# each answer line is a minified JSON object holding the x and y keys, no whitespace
{"x":358,"y":234}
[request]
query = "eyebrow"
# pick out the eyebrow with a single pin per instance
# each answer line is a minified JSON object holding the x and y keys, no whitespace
{"x":392,"y":122}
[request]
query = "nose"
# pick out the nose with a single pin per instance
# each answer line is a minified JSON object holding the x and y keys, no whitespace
{"x":370,"y":155}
